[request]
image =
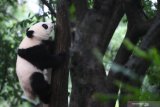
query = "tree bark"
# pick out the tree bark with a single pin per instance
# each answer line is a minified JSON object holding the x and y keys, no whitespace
{"x":87,"y":71}
{"x":94,"y":30}
{"x":81,"y":7}
{"x":59,"y":79}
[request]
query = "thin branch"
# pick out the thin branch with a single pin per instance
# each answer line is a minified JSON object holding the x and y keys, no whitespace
{"x":49,"y":7}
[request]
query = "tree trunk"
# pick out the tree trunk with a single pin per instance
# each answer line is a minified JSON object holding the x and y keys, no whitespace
{"x":59,"y":79}
{"x":87,"y":71}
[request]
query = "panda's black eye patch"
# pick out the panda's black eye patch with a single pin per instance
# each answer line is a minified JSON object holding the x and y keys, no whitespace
{"x":45,"y":26}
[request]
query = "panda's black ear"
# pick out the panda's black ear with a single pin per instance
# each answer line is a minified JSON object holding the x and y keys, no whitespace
{"x":30,"y":33}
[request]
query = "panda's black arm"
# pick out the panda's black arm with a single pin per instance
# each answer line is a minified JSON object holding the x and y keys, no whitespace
{"x":57,"y":60}
{"x":41,"y":57}
{"x":50,"y":44}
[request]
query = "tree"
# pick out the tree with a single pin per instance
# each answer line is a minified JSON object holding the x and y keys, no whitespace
{"x":94,"y":29}
{"x":84,"y":29}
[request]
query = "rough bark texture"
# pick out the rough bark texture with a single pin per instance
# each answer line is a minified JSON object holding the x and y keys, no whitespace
{"x":59,"y":79}
{"x":87,"y":72}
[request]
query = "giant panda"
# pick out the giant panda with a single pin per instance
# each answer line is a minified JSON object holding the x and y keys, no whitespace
{"x":34,"y":57}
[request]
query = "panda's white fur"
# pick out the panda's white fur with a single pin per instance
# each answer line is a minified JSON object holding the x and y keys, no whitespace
{"x":24,"y":68}
{"x":24,"y":80}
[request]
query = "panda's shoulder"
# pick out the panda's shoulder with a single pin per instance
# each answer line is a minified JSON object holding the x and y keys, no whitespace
{"x":26,"y":43}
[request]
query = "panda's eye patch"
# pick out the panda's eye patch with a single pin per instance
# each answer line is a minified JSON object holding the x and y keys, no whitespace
{"x":45,"y":26}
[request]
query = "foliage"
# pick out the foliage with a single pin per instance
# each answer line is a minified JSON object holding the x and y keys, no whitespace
{"x":149,"y":7}
{"x":153,"y":56}
{"x":137,"y":51}
{"x":90,"y":3}
{"x":151,"y":83}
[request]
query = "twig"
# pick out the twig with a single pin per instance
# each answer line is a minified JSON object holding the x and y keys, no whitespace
{"x":49,"y":7}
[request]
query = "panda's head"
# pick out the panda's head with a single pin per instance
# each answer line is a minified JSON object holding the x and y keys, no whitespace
{"x":40,"y":31}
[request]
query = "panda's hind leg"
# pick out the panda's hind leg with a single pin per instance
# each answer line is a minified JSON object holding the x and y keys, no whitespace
{"x":40,"y":87}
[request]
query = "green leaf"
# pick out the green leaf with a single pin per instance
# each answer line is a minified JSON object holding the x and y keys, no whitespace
{"x":136,"y":50}
{"x":101,"y":97}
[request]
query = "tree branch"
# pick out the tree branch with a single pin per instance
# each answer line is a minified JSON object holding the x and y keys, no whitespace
{"x":139,"y":65}
{"x":137,"y":27}
{"x":49,"y":7}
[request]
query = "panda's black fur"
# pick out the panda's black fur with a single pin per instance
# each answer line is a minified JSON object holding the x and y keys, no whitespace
{"x":41,"y":57}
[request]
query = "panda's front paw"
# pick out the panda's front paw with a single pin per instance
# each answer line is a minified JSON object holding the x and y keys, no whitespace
{"x":48,"y":42}
{"x":59,"y":60}
{"x":64,"y":56}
